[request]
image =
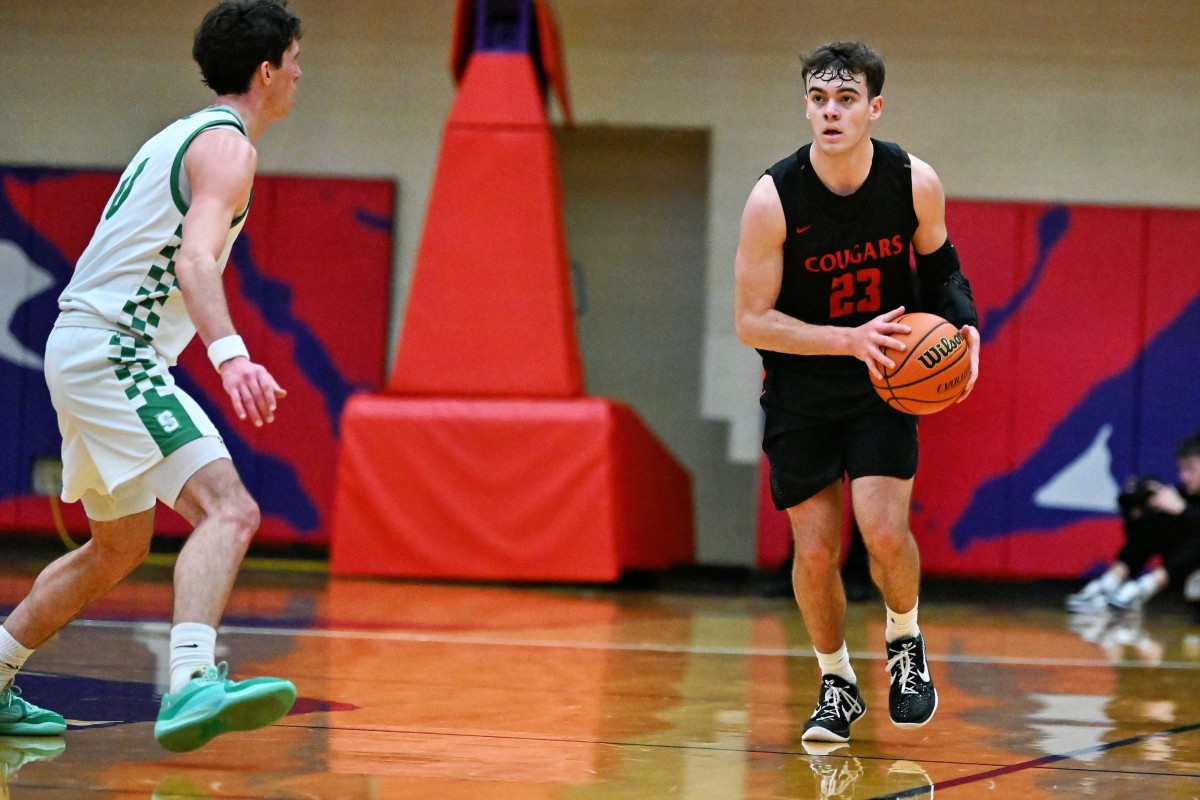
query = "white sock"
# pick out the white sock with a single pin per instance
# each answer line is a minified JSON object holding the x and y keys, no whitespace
{"x":836,"y":663}
{"x":899,"y":625}
{"x":12,"y":657}
{"x":192,"y":646}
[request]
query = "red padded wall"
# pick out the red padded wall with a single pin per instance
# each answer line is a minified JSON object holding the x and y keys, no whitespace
{"x":307,"y":286}
{"x":489,"y":311}
{"x":1088,"y":316}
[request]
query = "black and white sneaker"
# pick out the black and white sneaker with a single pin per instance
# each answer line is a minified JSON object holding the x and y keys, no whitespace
{"x":912,"y":699}
{"x":838,"y":706}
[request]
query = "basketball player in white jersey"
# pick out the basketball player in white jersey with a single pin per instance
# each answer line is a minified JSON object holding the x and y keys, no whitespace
{"x":147,"y":283}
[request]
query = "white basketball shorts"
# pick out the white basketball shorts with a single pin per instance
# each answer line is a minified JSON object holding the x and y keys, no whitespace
{"x":129,"y":433}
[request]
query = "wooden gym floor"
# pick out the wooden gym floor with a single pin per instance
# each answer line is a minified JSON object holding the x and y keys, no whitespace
{"x":451,"y":691}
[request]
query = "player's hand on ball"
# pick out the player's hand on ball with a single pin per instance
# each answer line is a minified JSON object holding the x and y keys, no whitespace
{"x":932,"y":368}
{"x":971,"y":335}
{"x":870,"y":339}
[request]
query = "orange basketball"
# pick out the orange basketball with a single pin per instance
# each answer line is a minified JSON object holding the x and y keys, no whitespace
{"x":932,"y":373}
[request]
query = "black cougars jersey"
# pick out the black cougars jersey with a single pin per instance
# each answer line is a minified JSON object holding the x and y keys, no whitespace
{"x":846,"y":259}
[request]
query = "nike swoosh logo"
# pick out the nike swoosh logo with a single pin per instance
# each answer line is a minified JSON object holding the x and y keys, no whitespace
{"x":802,"y":230}
{"x":178,"y":646}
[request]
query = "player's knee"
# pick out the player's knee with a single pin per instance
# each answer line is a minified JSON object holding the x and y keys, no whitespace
{"x":240,"y":513}
{"x":248,"y":516}
{"x":887,"y":541}
{"x":812,"y":555}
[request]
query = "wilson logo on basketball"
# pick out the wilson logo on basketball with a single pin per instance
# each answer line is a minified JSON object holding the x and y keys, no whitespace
{"x":931,"y":372}
{"x":939,"y":350}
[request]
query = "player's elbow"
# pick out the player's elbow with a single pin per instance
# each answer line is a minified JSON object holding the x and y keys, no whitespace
{"x":747,"y":326}
{"x":192,"y":267}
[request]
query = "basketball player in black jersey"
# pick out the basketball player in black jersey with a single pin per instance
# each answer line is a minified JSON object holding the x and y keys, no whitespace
{"x":822,"y":271}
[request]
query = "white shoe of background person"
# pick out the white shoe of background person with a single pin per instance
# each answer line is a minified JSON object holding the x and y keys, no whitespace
{"x":1132,"y":595}
{"x":1095,"y":595}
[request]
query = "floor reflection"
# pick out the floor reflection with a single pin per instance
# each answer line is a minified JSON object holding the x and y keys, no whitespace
{"x":19,"y":751}
{"x":450,"y":691}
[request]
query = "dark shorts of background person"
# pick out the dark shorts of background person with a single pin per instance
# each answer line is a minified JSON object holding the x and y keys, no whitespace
{"x":820,"y":426}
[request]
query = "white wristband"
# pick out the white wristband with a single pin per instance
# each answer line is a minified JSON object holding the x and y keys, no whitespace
{"x":225,"y":348}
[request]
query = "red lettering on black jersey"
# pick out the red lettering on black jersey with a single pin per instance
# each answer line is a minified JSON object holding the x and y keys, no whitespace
{"x":855,"y":254}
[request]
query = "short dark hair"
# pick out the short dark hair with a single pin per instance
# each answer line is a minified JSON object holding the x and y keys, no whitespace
{"x":238,"y":35}
{"x":1188,"y":447}
{"x":844,"y":60}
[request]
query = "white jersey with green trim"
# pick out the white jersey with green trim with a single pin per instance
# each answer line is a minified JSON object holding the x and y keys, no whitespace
{"x":126,"y":276}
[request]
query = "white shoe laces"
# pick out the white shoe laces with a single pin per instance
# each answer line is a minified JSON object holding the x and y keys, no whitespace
{"x":903,"y":661}
{"x":832,"y":701}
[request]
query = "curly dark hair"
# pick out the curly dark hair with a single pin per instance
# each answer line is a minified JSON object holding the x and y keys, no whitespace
{"x":844,"y":60}
{"x":238,"y":35}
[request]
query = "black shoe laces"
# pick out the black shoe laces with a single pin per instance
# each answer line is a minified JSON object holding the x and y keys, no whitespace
{"x":832,"y":701}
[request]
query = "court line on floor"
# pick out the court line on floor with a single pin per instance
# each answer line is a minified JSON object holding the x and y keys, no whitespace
{"x":646,"y":647}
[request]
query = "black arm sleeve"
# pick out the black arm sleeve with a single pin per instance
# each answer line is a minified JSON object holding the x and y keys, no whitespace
{"x":945,"y":291}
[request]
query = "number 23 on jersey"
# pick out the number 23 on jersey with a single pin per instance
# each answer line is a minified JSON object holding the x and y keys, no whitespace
{"x":854,"y":292}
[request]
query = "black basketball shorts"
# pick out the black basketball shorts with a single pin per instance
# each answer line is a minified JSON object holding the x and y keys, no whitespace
{"x":819,"y":428}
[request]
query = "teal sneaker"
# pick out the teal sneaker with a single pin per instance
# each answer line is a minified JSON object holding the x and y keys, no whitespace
{"x":19,"y":717}
{"x":210,"y":705}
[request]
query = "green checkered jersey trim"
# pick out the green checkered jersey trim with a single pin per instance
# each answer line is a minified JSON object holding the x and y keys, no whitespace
{"x":141,"y":313}
{"x":141,"y":376}
{"x":127,"y":273}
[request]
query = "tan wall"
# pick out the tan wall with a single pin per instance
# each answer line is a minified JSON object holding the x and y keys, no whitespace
{"x":1069,"y":100}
